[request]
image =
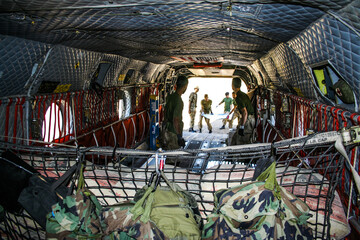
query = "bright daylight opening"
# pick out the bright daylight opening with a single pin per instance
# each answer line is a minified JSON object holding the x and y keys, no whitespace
{"x":215,"y":88}
{"x":52,"y":124}
{"x":121,"y":108}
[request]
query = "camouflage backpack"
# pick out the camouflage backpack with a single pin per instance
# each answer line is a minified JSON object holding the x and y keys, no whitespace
{"x":120,"y":224}
{"x":258,"y":210}
{"x":76,"y":216}
{"x":163,"y":212}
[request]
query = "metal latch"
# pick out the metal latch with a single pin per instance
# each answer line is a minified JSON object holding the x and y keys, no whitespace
{"x":351,"y":135}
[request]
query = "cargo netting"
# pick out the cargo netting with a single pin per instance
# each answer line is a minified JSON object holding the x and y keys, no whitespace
{"x":309,"y":167}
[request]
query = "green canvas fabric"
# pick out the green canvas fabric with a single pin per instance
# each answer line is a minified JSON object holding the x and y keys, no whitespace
{"x":120,"y":224}
{"x":173,"y":210}
{"x":258,"y":210}
{"x":75,"y":217}
{"x":160,"y":214}
{"x":344,"y":92}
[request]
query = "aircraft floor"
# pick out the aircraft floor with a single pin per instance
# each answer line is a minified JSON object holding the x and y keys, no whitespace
{"x":197,"y":140}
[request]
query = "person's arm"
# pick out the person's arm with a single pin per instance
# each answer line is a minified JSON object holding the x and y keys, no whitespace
{"x":244,"y":114}
{"x":232,"y":110}
{"x":177,"y":125}
{"x":177,"y":119}
{"x":221,"y":102}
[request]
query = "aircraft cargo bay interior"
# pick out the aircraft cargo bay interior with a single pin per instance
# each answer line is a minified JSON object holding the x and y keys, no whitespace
{"x":179,"y":119}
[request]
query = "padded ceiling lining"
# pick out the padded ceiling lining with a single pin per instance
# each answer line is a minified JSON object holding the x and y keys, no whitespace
{"x":157,"y":30}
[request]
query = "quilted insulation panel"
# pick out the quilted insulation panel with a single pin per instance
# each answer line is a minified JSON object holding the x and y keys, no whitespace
{"x":25,"y":65}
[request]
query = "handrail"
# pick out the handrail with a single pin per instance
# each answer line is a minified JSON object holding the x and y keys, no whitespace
{"x":331,"y":109}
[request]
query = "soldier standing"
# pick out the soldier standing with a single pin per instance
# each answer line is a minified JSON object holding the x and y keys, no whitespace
{"x":205,"y":109}
{"x":171,"y":134}
{"x":236,"y":112}
{"x":192,"y":108}
{"x":227,"y":107}
{"x":247,"y":123}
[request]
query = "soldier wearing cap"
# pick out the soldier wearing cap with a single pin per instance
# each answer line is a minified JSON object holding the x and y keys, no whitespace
{"x":192,"y":108}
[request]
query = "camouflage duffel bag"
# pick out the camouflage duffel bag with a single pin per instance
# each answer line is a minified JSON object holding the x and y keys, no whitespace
{"x":76,"y":216}
{"x":163,"y":212}
{"x":120,"y":224}
{"x":258,"y":210}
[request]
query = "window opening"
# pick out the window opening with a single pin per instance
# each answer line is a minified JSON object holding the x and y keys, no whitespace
{"x":97,"y":81}
{"x":129,"y":75}
{"x":121,"y":108}
{"x":333,"y":87}
{"x":101,"y":72}
{"x":127,"y":104}
{"x":53,"y":123}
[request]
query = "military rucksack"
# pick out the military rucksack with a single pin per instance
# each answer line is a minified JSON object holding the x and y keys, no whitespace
{"x":160,"y":212}
{"x":120,"y":224}
{"x":76,"y":216}
{"x":258,"y":210}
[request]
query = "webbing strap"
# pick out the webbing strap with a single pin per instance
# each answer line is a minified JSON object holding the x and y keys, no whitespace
{"x":344,"y":119}
{"x":325,"y":119}
{"x":355,"y":122}
{"x":15,"y":119}
{"x":66,"y":177}
{"x":7,"y":119}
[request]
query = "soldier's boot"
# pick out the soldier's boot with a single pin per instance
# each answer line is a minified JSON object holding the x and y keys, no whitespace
{"x":199,"y":130}
{"x":210,"y":131}
{"x":223,"y":127}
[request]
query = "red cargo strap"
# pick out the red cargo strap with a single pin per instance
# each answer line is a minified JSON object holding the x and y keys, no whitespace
{"x":125,"y":133}
{"x":344,"y":119}
{"x":43,"y":117}
{"x":134,"y":138}
{"x":325,"y":118}
{"x":318,"y":107}
{"x":7,"y":117}
{"x":15,"y":119}
{"x":355,"y":122}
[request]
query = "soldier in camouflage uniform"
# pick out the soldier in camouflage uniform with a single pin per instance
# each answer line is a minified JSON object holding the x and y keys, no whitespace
{"x":205,"y":109}
{"x":192,"y":108}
